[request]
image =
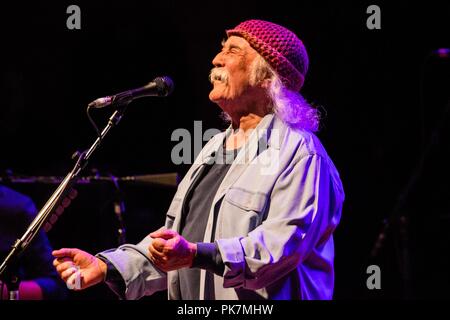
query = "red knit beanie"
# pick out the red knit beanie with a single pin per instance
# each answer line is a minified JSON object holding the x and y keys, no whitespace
{"x":281,"y":48}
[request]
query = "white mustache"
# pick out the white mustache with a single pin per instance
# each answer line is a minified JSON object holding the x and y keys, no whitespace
{"x":218,"y":74}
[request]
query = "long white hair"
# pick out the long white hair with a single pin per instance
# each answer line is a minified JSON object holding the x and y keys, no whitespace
{"x":289,"y":105}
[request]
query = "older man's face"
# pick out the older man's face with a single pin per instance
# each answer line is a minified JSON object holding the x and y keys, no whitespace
{"x":234,"y":61}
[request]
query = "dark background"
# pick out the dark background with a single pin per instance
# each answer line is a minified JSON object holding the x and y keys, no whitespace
{"x":381,"y":93}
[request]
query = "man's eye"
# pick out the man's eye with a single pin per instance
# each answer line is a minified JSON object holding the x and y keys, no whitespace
{"x":231,"y":49}
{"x":234,"y":50}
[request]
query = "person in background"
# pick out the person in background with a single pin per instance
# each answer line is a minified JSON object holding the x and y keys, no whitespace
{"x":38,"y":278}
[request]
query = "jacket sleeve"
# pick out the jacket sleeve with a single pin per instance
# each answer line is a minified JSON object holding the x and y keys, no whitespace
{"x":302,"y":212}
{"x":139,"y":276}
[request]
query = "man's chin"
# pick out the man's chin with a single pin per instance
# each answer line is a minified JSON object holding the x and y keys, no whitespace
{"x":215,"y":98}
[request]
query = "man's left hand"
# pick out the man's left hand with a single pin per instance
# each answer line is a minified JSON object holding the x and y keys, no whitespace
{"x":170,"y":251}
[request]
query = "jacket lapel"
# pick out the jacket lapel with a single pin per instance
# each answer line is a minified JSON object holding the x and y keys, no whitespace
{"x":205,"y":156}
{"x":258,"y":138}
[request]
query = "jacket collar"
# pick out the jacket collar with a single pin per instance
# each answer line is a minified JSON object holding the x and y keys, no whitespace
{"x":269,"y":132}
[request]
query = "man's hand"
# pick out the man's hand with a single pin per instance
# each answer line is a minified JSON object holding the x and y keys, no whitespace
{"x":170,"y":251}
{"x":69,"y":261}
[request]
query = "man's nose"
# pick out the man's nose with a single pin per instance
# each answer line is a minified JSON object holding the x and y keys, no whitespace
{"x":218,"y":60}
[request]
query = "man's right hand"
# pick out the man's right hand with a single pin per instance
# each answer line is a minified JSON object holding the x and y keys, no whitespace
{"x":68,"y":261}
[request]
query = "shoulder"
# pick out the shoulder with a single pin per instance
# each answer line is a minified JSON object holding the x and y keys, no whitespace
{"x":299,"y":142}
{"x":15,"y":203}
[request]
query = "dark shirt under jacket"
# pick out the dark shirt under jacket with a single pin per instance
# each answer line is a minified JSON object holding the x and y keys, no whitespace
{"x":196,"y":211}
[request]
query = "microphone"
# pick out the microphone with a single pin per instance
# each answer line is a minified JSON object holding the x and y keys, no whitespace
{"x":159,"y":87}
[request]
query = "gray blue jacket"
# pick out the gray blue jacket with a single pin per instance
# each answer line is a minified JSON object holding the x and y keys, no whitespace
{"x":277,"y":209}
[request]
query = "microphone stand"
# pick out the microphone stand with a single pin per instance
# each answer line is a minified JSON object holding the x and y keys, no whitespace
{"x":7,"y":270}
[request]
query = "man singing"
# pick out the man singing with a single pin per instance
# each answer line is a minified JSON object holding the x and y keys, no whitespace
{"x":254,"y":216}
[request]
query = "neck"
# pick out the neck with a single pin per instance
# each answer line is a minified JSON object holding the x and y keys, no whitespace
{"x":246,"y":122}
{"x":242,"y":129}
{"x":247,"y":111}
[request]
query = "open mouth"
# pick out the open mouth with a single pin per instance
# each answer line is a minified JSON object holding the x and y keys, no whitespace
{"x":218,"y":75}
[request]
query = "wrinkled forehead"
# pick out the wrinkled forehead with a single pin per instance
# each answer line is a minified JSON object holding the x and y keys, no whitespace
{"x":236,"y":41}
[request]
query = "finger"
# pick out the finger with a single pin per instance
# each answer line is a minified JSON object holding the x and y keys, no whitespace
{"x":58,"y":261}
{"x":164,"y":234}
{"x":155,"y":253}
{"x":67,"y":273}
{"x":156,"y":261}
{"x":64,"y":266}
{"x":74,"y":281}
{"x":155,"y":234}
{"x":152,"y":259}
{"x":159,"y":262}
{"x":64,"y":252}
{"x":158,"y":244}
{"x":157,"y":258}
